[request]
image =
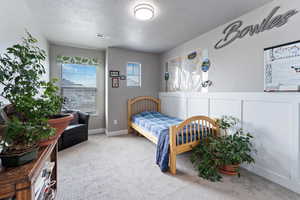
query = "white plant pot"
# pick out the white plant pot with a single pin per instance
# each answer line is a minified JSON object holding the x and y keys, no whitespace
{"x":223,"y":132}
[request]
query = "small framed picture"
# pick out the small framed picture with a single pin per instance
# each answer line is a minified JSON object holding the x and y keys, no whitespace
{"x":115,"y":82}
{"x":123,"y":77}
{"x":114,"y":73}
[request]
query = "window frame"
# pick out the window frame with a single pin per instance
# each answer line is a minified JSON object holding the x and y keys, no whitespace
{"x":96,"y":113}
{"x":140,"y":75}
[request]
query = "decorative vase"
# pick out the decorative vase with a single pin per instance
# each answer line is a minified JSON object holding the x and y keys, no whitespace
{"x":59,"y":123}
{"x":18,"y":159}
{"x":230,"y":169}
{"x":167,"y":76}
{"x":205,"y":65}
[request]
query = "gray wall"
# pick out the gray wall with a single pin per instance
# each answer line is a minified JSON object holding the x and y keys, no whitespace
{"x":96,"y":121}
{"x":239,"y":67}
{"x":116,"y":106}
{"x":16,"y":17}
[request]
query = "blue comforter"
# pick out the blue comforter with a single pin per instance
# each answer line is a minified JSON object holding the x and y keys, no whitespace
{"x":158,"y":124}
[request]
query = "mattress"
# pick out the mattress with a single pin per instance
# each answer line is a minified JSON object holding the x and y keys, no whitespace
{"x":157,"y":124}
{"x":154,"y":122}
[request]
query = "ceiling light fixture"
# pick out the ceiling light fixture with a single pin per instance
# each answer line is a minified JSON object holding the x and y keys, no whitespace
{"x":144,"y":11}
{"x":101,"y":36}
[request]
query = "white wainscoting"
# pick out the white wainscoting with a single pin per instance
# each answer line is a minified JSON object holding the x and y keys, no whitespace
{"x":273,"y":119}
{"x":178,"y":104}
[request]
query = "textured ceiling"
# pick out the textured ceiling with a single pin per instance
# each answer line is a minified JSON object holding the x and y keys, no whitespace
{"x":76,"y":22}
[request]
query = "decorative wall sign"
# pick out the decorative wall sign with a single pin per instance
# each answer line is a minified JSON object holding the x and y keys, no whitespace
{"x":115,"y":82}
{"x":167,"y":76}
{"x":114,"y":73}
{"x":282,"y":67}
{"x":205,"y":65}
{"x":192,"y":55}
{"x":206,"y":84}
{"x":122,"y":77}
{"x":235,"y":31}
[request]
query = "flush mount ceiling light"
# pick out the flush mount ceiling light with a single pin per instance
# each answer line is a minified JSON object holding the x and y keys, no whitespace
{"x":101,"y":36}
{"x":144,"y":11}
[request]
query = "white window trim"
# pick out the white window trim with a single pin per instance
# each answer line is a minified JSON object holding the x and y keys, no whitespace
{"x":140,"y":75}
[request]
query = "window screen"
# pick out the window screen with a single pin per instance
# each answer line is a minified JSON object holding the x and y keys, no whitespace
{"x":79,"y":88}
{"x":133,"y":75}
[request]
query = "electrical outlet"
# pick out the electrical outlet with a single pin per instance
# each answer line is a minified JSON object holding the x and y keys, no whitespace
{"x":115,"y":122}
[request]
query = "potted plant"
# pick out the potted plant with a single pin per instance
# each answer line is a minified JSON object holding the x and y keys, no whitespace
{"x":227,"y":122}
{"x":33,"y":114}
{"x":234,"y":150}
{"x":223,"y":154}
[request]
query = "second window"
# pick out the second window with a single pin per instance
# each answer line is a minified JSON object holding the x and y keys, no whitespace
{"x":133,"y":74}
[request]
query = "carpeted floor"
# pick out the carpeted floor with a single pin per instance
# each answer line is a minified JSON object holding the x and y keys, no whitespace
{"x":109,"y":168}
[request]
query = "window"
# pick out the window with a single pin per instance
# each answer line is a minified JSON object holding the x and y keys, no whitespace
{"x":79,"y":88}
{"x":133,"y":75}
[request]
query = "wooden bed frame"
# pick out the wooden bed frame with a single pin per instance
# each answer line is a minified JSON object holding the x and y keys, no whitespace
{"x":191,"y":126}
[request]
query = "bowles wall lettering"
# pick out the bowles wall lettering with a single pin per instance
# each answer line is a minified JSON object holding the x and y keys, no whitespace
{"x":235,"y":31}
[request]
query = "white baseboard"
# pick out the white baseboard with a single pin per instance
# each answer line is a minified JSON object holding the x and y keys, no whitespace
{"x":286,"y":182}
{"x":116,"y":133}
{"x":96,"y":131}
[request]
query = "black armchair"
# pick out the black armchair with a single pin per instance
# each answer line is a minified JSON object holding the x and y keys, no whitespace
{"x":76,"y":132}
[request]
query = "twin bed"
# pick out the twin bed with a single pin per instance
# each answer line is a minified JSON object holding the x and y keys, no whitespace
{"x":172,"y":136}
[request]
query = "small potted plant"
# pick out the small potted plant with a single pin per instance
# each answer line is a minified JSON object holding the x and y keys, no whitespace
{"x":227,"y":122}
{"x":33,"y":114}
{"x":223,"y":154}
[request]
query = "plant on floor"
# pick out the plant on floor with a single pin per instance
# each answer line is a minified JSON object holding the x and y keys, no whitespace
{"x":223,"y":154}
{"x":32,"y":101}
{"x":206,"y":162}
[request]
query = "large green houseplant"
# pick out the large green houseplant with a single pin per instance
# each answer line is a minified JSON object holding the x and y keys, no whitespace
{"x":34,"y":105}
{"x":223,"y":154}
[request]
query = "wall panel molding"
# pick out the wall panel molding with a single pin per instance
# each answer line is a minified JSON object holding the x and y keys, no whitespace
{"x":273,"y":118}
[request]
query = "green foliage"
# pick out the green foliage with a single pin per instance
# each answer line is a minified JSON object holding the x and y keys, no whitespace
{"x":234,"y":149}
{"x":35,"y":100}
{"x":206,"y":162}
{"x":226,"y":122}
{"x":219,"y":151}
{"x":21,"y":135}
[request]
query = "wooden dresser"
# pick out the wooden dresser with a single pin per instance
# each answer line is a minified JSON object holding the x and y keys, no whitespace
{"x":19,"y":182}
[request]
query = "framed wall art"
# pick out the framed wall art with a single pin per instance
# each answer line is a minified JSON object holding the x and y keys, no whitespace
{"x":114,"y":73}
{"x":115,"y":82}
{"x":282,"y":68}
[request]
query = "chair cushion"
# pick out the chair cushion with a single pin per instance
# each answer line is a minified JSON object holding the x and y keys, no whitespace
{"x":73,"y":135}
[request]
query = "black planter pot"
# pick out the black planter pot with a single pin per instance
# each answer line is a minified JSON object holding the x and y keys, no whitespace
{"x":15,"y":160}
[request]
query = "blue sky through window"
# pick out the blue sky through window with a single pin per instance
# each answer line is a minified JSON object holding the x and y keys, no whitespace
{"x":81,"y":75}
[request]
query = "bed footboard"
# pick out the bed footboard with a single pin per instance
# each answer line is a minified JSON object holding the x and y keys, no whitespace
{"x":188,"y":134}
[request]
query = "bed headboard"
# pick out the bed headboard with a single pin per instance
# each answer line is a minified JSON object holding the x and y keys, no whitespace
{"x":141,"y":104}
